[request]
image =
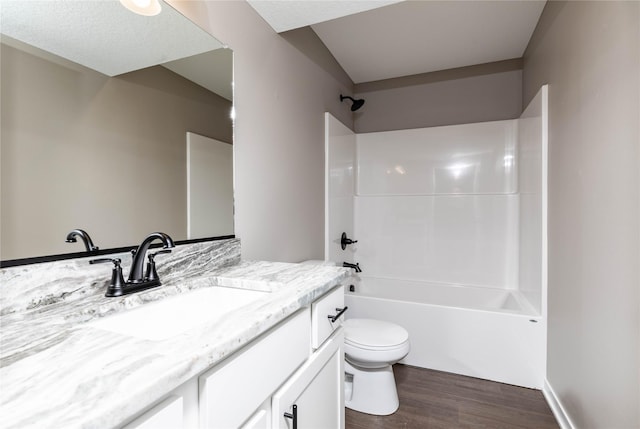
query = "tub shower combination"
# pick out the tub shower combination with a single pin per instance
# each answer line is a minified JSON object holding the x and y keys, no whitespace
{"x":450,"y":223}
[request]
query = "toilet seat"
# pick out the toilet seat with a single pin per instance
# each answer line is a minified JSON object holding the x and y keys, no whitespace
{"x":373,"y":343}
{"x":372,"y":334}
{"x":378,"y":349}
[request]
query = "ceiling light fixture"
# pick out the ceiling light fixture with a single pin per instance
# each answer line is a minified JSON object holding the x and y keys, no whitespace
{"x":143,"y":7}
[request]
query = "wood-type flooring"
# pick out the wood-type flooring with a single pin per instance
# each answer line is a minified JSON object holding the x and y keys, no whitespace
{"x":438,"y":400}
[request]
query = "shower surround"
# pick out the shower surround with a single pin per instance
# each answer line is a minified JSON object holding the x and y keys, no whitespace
{"x":450,"y":225}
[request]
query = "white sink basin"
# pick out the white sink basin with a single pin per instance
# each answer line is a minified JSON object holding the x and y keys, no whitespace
{"x":175,"y":315}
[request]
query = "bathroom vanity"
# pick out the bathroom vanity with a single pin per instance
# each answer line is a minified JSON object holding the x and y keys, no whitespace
{"x":258,"y":386}
{"x":68,"y":359}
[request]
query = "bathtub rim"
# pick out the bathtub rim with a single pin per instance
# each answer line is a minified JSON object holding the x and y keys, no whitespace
{"x":526,"y":308}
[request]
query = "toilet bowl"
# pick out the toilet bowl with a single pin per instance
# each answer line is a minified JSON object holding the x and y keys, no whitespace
{"x":370,"y":348}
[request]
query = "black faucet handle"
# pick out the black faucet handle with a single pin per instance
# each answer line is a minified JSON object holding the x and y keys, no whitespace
{"x":116,"y":261}
{"x":345,"y":241}
{"x":151,"y":274}
{"x":116,"y":286}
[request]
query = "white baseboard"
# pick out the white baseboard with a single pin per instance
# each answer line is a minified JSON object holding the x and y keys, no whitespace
{"x":556,"y":406}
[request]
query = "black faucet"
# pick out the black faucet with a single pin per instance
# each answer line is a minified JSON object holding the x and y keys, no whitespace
{"x":88,"y":243}
{"x":136,"y":275}
{"x":354,"y":266}
{"x":137,"y":280}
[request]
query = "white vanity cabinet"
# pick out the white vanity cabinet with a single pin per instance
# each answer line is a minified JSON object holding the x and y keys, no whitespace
{"x":300,"y":361}
{"x":232,"y":392}
{"x":315,"y":390}
{"x":168,"y":414}
{"x":261,"y":419}
{"x":177,"y":410}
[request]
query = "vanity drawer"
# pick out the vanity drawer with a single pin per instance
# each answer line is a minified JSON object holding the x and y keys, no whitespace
{"x":321,"y":325}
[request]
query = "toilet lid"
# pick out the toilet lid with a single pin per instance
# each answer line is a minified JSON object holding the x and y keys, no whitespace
{"x":374,"y":333}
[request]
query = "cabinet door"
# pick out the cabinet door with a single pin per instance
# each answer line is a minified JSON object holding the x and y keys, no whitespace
{"x":167,"y":414}
{"x":231,"y":392}
{"x":261,"y":419}
{"x":316,"y":389}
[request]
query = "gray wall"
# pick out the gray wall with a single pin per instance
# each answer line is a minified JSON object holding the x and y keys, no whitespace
{"x":82,"y":150}
{"x":480,"y":93}
{"x":588,"y":52}
{"x":280,"y":97}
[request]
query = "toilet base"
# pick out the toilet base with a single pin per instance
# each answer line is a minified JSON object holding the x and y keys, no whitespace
{"x":370,"y":391}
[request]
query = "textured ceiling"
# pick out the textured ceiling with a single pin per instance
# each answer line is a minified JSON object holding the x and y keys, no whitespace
{"x":103,"y":35}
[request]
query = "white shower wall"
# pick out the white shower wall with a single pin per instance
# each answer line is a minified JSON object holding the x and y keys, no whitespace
{"x":532,"y":173}
{"x":439,"y":204}
{"x":340,"y":160}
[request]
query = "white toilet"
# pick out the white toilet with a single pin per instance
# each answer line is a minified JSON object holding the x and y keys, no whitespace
{"x":370,"y":348}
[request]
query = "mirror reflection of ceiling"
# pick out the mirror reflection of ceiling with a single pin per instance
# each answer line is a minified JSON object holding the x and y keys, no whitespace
{"x":84,"y":32}
{"x":212,"y":70}
{"x":412,"y":37}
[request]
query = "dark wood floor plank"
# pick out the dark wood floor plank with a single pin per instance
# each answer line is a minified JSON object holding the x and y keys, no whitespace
{"x":439,"y":400}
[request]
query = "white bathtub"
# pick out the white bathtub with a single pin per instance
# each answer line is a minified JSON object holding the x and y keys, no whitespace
{"x":493,"y":334}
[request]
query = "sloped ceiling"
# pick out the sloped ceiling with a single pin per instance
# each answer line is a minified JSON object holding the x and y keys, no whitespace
{"x":411,"y":37}
{"x":285,"y":15}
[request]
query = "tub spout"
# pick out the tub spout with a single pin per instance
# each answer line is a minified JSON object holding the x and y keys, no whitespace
{"x":355,"y":266}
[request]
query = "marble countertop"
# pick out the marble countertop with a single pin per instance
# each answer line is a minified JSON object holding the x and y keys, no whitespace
{"x":57,"y":371}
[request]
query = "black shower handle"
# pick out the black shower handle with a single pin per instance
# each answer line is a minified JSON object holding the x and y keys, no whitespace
{"x":345,"y":241}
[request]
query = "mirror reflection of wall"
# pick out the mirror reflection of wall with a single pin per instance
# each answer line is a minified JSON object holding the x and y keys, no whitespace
{"x":209,"y":187}
{"x":105,"y":154}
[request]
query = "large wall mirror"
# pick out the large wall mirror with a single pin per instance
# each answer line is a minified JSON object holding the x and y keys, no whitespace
{"x":97,"y":103}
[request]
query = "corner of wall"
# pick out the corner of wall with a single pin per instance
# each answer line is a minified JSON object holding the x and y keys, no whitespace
{"x":556,"y":406}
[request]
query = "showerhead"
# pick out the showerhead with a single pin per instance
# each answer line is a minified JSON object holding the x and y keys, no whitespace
{"x":356,"y":103}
